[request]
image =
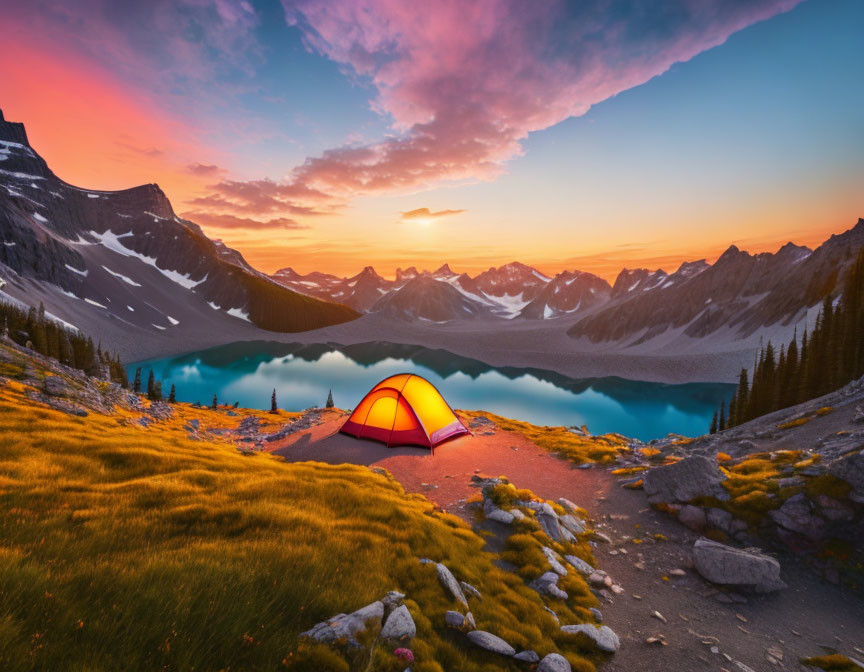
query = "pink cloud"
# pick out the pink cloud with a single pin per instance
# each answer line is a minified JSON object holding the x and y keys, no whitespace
{"x":224,"y":221}
{"x":465,"y":83}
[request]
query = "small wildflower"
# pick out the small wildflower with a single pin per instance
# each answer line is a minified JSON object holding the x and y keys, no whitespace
{"x":405,"y":655}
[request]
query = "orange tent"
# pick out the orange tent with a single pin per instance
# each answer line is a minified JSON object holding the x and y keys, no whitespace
{"x":404,"y":409}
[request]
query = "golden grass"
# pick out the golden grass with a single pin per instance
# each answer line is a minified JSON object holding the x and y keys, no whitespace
{"x":575,"y":447}
{"x":833,"y":663}
{"x":125,"y":547}
{"x":794,"y":423}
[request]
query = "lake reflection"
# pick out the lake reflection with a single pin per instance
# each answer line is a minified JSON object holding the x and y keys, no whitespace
{"x":303,"y":374}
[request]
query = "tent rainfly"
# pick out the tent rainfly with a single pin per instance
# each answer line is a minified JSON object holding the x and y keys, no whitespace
{"x":404,"y":410}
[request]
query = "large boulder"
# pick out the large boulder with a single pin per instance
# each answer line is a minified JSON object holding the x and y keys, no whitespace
{"x":490,"y":642}
{"x":851,"y":470}
{"x":604,"y":637}
{"x":683,"y":481}
{"x":741,"y":568}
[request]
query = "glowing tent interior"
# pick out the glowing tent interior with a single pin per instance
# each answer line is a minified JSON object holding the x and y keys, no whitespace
{"x":404,"y":409}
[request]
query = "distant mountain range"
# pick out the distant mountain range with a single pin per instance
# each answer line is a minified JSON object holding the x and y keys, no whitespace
{"x":734,"y":298}
{"x":511,"y":291}
{"x":124,"y":260}
{"x":124,"y":256}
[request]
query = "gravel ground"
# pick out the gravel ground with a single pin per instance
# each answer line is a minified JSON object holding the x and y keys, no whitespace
{"x":797,"y":622}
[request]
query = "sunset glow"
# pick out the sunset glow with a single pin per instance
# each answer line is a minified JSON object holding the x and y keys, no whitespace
{"x":417,"y":143}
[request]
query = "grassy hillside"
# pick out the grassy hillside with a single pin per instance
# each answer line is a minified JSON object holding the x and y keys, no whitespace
{"x":125,"y":547}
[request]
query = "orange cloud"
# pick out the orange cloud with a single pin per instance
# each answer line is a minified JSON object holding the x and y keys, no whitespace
{"x":426,"y":213}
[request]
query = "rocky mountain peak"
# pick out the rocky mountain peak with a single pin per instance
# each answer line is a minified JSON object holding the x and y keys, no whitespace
{"x":11,"y":131}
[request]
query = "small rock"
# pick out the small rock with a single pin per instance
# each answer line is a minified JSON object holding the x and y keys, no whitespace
{"x":554,"y":662}
{"x":445,"y":576}
{"x":579,"y":564}
{"x":548,"y":585}
{"x":527,"y":656}
{"x":677,"y":572}
{"x":597,"y":614}
{"x":490,"y":642}
{"x":604,"y":637}
{"x":658,"y":616}
{"x":399,"y":626}
{"x":454,"y":619}
{"x":468,"y":589}
{"x":553,"y":558}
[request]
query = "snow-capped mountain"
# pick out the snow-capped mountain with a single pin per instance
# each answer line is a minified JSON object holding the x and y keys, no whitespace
{"x":511,"y":291}
{"x":737,"y":296}
{"x":126,"y":259}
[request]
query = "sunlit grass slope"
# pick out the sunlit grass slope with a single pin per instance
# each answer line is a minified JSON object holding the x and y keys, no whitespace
{"x":576,"y":447}
{"x":125,"y":547}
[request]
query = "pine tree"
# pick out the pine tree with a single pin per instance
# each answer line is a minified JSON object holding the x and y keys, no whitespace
{"x":215,"y":404}
{"x":151,"y":385}
{"x":273,"y":407}
{"x":721,"y":418}
{"x":712,"y":429}
{"x":136,"y":385}
{"x":172,"y":395}
{"x":329,"y":403}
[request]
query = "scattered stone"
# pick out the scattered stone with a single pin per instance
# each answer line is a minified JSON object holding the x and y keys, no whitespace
{"x":683,"y":481}
{"x":656,"y":640}
{"x":445,"y":576}
{"x":553,"y":558}
{"x":572,"y":523}
{"x":527,"y":656}
{"x":470,"y":623}
{"x":554,"y":662}
{"x":548,"y":585}
{"x":492,"y":512}
{"x":579,"y":564}
{"x":597,"y":614}
{"x":454,"y":619}
{"x":677,"y":572}
{"x":599,"y":536}
{"x":490,"y":642}
{"x":470,"y":590}
{"x":568,"y":506}
{"x":604,"y":637}
{"x":346,"y":627}
{"x":774,"y":654}
{"x":399,"y":626}
{"x":659,"y":616}
{"x":726,"y":565}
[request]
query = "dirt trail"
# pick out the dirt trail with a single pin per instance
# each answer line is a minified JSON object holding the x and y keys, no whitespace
{"x":696,"y":619}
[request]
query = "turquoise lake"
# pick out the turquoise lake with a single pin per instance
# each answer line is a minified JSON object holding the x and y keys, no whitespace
{"x":302,"y":375}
